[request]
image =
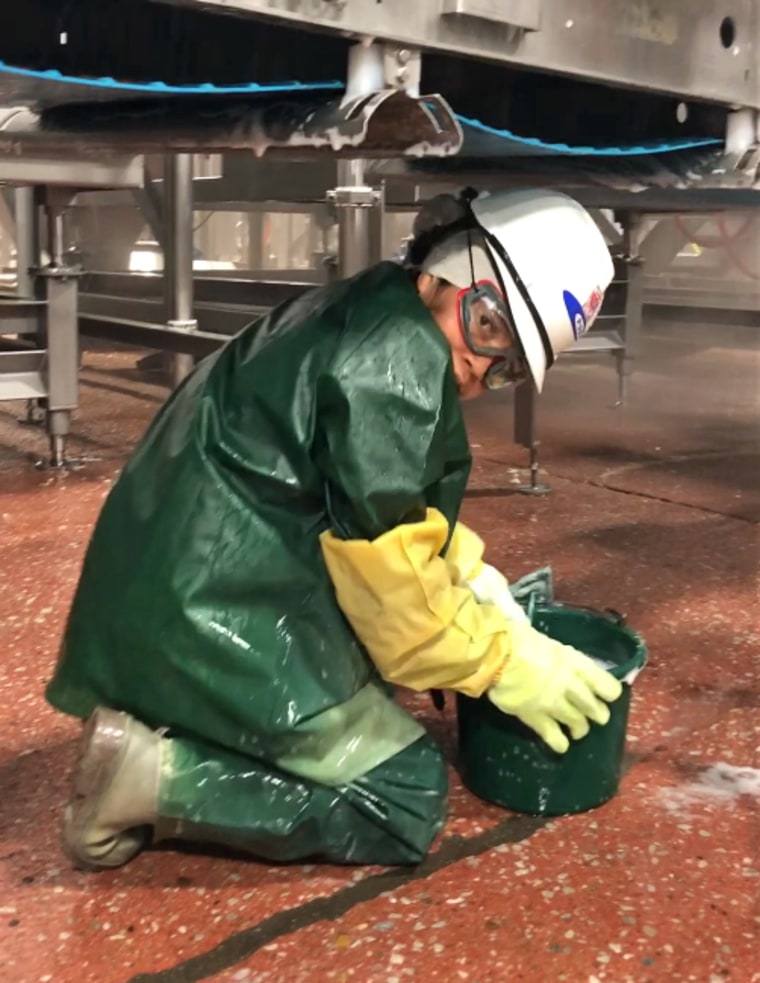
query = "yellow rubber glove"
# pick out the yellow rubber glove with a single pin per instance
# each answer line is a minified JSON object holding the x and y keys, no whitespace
{"x":464,"y":558}
{"x":419,"y":629}
{"x":491,"y":587}
{"x":545,"y":684}
{"x":424,"y":632}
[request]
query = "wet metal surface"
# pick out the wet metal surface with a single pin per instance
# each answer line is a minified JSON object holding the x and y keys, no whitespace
{"x":654,"y":512}
{"x":387,"y":123}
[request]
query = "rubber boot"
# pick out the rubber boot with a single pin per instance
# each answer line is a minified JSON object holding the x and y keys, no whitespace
{"x":114,"y":801}
{"x":131,"y":781}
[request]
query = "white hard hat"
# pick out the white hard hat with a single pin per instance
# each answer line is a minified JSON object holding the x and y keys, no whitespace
{"x":557,"y":252}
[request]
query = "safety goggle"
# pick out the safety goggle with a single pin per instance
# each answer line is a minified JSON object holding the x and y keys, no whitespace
{"x":511,"y":367}
{"x":487,"y":326}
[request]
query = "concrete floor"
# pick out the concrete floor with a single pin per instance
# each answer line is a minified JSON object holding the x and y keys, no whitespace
{"x":654,"y":511}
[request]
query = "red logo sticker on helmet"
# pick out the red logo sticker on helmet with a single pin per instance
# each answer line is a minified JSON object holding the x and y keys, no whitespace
{"x":592,"y":305}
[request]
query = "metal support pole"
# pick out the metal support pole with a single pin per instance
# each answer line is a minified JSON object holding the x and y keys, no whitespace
{"x":634,"y":302}
{"x":525,"y":434}
{"x":27,"y":236}
{"x":359,"y":210}
{"x":366,"y":70}
{"x":178,"y":254}
{"x":54,"y":221}
{"x":377,"y":226}
{"x":63,"y":363}
{"x":352,"y":199}
{"x":359,"y":241}
{"x":62,"y":332}
{"x":7,"y":224}
{"x":27,"y":241}
{"x":256,"y":259}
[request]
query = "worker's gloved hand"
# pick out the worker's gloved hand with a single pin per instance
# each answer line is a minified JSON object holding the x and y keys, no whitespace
{"x":491,"y":587}
{"x":545,"y":683}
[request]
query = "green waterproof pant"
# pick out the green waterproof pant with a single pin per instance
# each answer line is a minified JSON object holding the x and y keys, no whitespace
{"x":388,"y":816}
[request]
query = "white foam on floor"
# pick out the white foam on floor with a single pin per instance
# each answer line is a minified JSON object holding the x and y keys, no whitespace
{"x":720,"y":784}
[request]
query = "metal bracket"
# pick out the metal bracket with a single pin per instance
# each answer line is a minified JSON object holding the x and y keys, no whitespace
{"x":358,"y":209}
{"x":190,"y":324}
{"x":376,"y":67}
{"x":354,"y":197}
{"x":402,"y":69}
{"x":535,"y":487}
{"x":34,"y":414}
{"x":742,"y":130}
{"x":748,"y":167}
{"x":525,"y":15}
{"x":58,"y":461}
{"x":61,"y":272}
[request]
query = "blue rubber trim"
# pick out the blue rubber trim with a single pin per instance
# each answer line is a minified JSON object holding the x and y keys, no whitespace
{"x":497,"y":139}
{"x":163,"y":88}
{"x":656,"y":147}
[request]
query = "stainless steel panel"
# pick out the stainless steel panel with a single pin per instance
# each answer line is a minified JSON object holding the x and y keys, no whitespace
{"x":706,"y":297}
{"x":689,"y":48}
{"x":597,"y":341}
{"x":21,"y":317}
{"x":11,"y":308}
{"x":118,"y":172}
{"x":21,"y":375}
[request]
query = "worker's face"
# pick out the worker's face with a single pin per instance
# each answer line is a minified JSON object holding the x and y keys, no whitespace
{"x":442,"y":300}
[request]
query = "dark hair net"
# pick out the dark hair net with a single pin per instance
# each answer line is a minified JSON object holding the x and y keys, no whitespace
{"x":431,"y":224}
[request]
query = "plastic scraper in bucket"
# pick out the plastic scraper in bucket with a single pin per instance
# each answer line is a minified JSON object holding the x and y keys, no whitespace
{"x":504,"y":762}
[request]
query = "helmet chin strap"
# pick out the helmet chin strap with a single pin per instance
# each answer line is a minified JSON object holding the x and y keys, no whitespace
{"x":470,"y":222}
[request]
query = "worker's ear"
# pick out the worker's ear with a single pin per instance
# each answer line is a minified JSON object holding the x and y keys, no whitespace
{"x":429,"y":288}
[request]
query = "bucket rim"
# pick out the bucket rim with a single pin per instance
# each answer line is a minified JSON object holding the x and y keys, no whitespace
{"x":638,"y":658}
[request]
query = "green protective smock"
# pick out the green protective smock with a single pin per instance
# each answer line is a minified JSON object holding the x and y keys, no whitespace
{"x":204,"y":605}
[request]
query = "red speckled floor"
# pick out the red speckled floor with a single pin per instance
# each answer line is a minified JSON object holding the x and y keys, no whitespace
{"x":654,"y":512}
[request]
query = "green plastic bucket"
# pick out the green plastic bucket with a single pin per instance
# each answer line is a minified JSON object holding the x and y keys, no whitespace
{"x":503,"y":761}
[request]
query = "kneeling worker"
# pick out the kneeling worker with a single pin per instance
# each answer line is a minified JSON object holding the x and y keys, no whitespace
{"x":283,"y":545}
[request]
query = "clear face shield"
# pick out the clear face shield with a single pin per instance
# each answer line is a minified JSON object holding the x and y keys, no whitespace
{"x":488,"y":328}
